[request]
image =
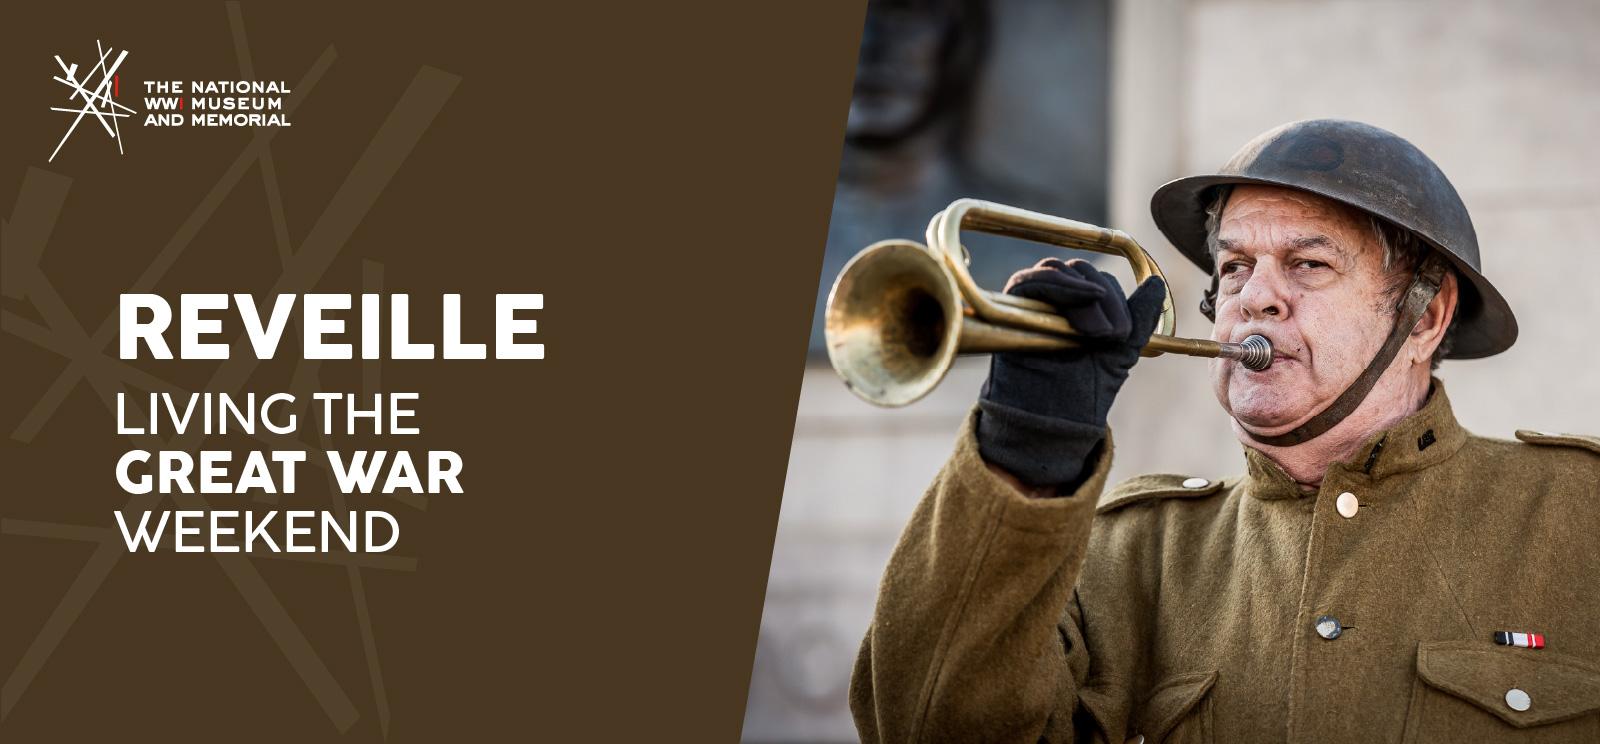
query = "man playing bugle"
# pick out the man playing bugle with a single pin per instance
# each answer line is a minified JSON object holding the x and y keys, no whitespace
{"x":1377,"y":574}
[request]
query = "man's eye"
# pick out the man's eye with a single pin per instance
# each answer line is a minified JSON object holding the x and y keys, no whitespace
{"x":1232,"y":267}
{"x":1308,"y":264}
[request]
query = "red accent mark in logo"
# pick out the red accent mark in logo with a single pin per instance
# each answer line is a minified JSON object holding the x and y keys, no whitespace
{"x":116,"y":85}
{"x":180,"y":104}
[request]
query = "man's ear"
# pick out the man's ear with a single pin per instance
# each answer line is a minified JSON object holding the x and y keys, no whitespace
{"x":1429,"y":331}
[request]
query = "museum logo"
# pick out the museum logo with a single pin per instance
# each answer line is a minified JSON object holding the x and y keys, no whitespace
{"x":170,"y":103}
{"x":99,"y":101}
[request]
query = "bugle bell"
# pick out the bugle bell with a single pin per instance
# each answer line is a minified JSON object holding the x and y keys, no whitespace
{"x":900,"y":311}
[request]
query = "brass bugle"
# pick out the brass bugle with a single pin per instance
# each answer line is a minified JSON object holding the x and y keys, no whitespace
{"x":900,"y":311}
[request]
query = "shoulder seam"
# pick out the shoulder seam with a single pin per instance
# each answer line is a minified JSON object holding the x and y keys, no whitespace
{"x":1154,"y":487}
{"x":1550,"y":439}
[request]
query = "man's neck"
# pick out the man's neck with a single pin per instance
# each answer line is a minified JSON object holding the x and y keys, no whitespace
{"x":1397,"y":395}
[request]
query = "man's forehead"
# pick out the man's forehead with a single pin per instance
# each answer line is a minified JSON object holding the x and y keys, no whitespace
{"x":1289,"y":218}
{"x":1305,"y":241}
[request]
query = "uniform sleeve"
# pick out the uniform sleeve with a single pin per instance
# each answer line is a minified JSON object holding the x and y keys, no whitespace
{"x":972,"y":638}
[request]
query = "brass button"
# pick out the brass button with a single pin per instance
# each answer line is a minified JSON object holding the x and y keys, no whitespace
{"x":1196,"y":483}
{"x":1347,"y":504}
{"x":1518,"y":700}
{"x":1328,"y":627}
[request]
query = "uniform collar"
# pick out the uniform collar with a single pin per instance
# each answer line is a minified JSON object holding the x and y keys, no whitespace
{"x":1421,"y":440}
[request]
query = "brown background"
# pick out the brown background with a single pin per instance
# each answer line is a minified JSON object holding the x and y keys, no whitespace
{"x":661,"y":173}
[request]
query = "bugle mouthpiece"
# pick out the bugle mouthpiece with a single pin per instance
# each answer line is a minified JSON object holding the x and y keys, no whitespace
{"x":1255,"y":352}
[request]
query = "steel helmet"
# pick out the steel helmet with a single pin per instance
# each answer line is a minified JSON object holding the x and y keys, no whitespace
{"x":1373,"y":170}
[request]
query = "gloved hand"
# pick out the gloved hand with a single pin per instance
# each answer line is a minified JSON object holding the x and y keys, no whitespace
{"x":1043,"y":414}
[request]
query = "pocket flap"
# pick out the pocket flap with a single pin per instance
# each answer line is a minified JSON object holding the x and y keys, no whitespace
{"x":1172,"y":700}
{"x":1558,"y":686}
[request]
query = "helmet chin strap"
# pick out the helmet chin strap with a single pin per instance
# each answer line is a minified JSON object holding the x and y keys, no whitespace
{"x":1424,"y":286}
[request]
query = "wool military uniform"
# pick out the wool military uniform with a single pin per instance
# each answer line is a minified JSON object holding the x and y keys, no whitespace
{"x":1182,"y":608}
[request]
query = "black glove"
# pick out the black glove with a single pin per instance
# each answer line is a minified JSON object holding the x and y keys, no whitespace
{"x":1043,"y":414}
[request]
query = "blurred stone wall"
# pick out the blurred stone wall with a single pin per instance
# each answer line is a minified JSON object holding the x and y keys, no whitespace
{"x":1502,"y":95}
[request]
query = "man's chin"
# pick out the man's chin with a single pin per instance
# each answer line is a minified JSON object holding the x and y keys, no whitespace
{"x":1266,"y":425}
{"x":1265,"y":418}
{"x":1268,"y":402}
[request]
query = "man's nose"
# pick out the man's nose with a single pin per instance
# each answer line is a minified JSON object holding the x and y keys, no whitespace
{"x":1265,"y":294}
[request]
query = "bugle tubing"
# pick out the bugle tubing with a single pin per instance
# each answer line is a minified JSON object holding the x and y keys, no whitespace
{"x":900,"y":311}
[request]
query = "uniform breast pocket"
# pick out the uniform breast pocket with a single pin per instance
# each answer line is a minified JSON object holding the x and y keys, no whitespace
{"x":1469,"y":691}
{"x":1178,"y":711}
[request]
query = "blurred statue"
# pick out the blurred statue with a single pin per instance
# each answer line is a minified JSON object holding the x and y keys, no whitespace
{"x":902,"y":157}
{"x":960,"y":98}
{"x":918,"y":61}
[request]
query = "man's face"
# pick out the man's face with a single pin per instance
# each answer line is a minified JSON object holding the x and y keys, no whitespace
{"x":1307,"y":273}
